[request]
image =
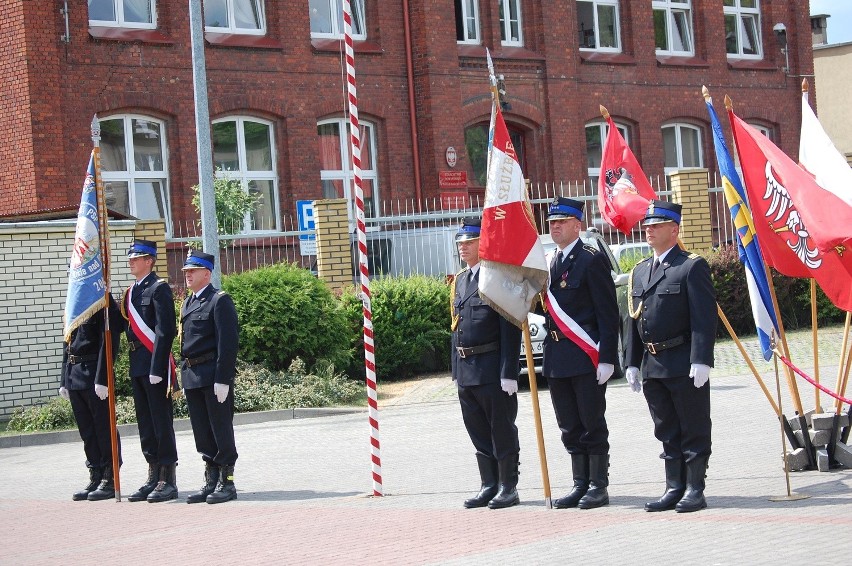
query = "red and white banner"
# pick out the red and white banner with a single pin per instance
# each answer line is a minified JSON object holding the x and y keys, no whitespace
{"x":513,"y":269}
{"x":803,"y":228}
{"x":623,"y":188}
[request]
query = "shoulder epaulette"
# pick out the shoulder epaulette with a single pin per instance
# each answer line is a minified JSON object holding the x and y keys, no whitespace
{"x":693,"y":256}
{"x":649,"y":258}
{"x":590,"y":249}
{"x":161,"y":280}
{"x":220,"y":293}
{"x":462,"y":271}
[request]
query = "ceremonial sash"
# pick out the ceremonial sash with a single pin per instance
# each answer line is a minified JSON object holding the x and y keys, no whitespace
{"x":569,"y":327}
{"x":146,"y":336}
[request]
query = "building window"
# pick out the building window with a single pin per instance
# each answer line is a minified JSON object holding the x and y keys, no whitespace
{"x":234,"y":16}
{"x":337,"y":177}
{"x":742,"y":29}
{"x":141,"y":14}
{"x":596,"y":133}
{"x":327,"y":19}
{"x":510,"y":23}
{"x":476,"y":145}
{"x":134,"y":167}
{"x":673,"y":27}
{"x":682,"y":147}
{"x":467,"y":21}
{"x":598,"y":21}
{"x":243,"y":149}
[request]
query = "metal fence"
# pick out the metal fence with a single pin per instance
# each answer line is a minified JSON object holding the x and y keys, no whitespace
{"x":407,"y":238}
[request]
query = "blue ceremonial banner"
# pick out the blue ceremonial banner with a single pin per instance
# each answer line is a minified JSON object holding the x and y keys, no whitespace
{"x":85,"y":270}
{"x":765,"y":318}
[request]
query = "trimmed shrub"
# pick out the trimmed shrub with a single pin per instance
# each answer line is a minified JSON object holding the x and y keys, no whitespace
{"x":284,"y":313}
{"x":56,"y":414}
{"x":411,"y":326}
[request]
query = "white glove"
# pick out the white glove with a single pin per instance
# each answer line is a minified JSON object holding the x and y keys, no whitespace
{"x":633,"y":378}
{"x":699,"y":374}
{"x":605,"y":371}
{"x":155,"y":379}
{"x":64,"y":394}
{"x":101,"y":391}
{"x":221,"y":391}
{"x":510,"y":386}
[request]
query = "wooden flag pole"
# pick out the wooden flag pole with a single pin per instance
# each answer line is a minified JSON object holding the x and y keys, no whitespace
{"x":843,"y":368}
{"x":539,"y":433}
{"x":103,"y":217}
{"x":814,"y":325}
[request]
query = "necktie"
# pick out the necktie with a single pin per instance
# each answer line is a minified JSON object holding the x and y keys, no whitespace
{"x":190,"y":301}
{"x":557,"y":263}
{"x":655,"y":266}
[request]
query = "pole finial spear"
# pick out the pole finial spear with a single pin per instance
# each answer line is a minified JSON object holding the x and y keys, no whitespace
{"x":805,"y":85}
{"x":604,"y":112}
{"x":729,"y":105}
{"x":96,"y":129}
{"x":706,"y":93}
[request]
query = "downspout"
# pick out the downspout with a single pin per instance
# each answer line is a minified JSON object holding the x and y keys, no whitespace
{"x":412,"y":111}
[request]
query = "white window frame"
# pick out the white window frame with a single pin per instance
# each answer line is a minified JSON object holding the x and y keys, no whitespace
{"x":245,"y":176}
{"x":595,"y":5}
{"x":678,"y":129}
{"x":232,"y":26}
{"x":131,"y":176}
{"x":346,"y":174}
{"x":506,"y":23}
{"x":118,"y":22}
{"x":672,"y":9}
{"x":466,"y":6}
{"x":595,"y":172}
{"x":337,"y":23}
{"x":740,"y":14}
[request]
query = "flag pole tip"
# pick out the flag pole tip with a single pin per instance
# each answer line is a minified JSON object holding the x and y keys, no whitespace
{"x":728,"y":103}
{"x":805,"y":85}
{"x":705,"y":92}
{"x":604,"y":112}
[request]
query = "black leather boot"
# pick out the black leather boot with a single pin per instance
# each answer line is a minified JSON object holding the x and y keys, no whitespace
{"x":211,"y":478}
{"x":95,"y":475}
{"x":142,"y":493}
{"x":225,"y":489}
{"x":693,"y":499}
{"x":106,"y":489}
{"x":488,"y":474}
{"x":597,"y":496}
{"x":675,"y":486}
{"x":580,"y":472}
{"x":507,"y":494}
{"x":167,"y":486}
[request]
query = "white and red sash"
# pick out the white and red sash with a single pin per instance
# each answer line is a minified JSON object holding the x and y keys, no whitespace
{"x":569,"y":327}
{"x":146,"y":336}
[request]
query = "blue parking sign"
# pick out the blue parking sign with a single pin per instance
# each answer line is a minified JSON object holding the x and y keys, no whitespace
{"x":305,"y":219}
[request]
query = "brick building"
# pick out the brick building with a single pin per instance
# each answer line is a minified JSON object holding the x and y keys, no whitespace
{"x":277,"y":92}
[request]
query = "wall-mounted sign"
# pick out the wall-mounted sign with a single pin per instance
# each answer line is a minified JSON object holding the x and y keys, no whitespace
{"x":454,"y":200}
{"x":452,"y":179}
{"x":452,"y":157}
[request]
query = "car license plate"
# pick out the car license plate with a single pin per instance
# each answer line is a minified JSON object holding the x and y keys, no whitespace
{"x":537,"y":348}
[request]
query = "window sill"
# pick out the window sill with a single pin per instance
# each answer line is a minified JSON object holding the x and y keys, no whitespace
{"x":681,"y":61}
{"x":511,"y":52}
{"x":606,"y":58}
{"x":126,"y":34}
{"x":241,"y":40}
{"x":336,"y":46}
{"x":751,"y":65}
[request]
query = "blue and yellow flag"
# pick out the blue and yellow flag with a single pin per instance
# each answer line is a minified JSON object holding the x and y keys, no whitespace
{"x":85,"y":270}
{"x":765,"y":318}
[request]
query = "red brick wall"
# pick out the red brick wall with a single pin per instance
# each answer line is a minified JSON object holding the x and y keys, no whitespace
{"x":52,"y":90}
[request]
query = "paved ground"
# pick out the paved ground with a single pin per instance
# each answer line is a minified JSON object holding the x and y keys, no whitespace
{"x":303,"y":484}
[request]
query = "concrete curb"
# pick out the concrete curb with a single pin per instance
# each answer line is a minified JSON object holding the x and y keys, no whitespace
{"x":130,"y":429}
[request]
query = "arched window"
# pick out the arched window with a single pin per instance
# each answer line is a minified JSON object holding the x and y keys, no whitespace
{"x":338,"y":179}
{"x":476,"y":145}
{"x":682,"y":147}
{"x":244,"y":150}
{"x":596,"y":133}
{"x":134,"y":167}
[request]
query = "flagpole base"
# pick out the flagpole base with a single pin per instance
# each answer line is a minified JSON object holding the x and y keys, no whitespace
{"x":548,"y":504}
{"x":793,"y":496}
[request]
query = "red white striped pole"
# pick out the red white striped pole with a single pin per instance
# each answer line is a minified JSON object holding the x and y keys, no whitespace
{"x":369,"y":347}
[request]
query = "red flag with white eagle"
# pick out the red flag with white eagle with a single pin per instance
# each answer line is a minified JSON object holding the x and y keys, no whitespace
{"x":623,"y":188}
{"x":803,"y":228}
{"x":513,"y":269}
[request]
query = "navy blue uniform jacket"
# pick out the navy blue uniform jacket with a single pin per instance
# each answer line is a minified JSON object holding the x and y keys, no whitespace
{"x":209,"y":326}
{"x":155,"y":303}
{"x":87,"y":340}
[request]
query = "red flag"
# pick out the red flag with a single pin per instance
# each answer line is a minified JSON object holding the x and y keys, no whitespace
{"x":803,"y":229}
{"x":513,"y":266}
{"x":623,"y":188}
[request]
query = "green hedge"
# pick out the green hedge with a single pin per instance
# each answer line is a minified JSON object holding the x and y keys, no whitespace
{"x":411,"y":326}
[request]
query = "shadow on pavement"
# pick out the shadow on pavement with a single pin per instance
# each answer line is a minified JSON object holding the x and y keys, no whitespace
{"x":298,"y":495}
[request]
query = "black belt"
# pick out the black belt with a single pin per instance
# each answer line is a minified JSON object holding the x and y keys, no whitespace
{"x":72,"y":359}
{"x":557,"y":335}
{"x":657,"y":347}
{"x":200,"y":359}
{"x":134,"y":345}
{"x":473,"y":350}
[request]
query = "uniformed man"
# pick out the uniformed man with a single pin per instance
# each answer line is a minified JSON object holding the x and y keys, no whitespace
{"x":149,"y":308}
{"x":209,"y":340}
{"x":485,"y":351}
{"x":84,"y":384}
{"x":580,"y":351}
{"x":673,"y":330}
